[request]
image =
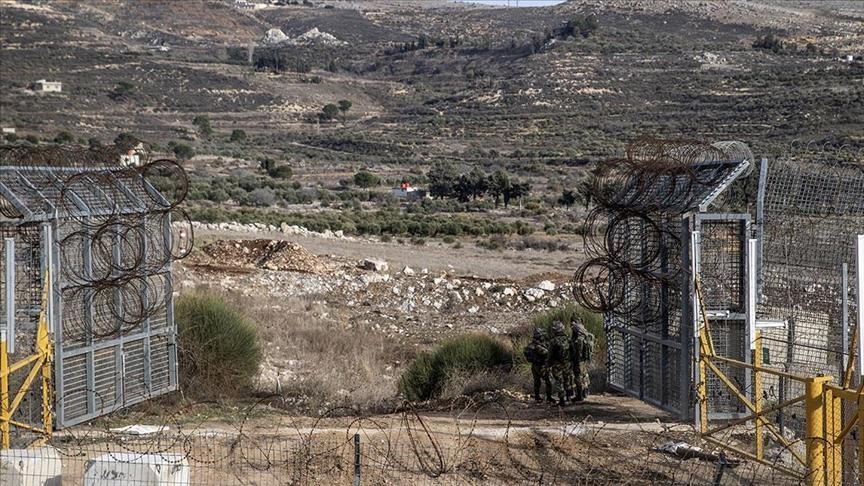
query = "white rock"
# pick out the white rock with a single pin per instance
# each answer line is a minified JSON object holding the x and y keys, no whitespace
{"x":437,"y":280}
{"x":546,"y":285}
{"x":479,"y":292}
{"x":374,"y":278}
{"x":424,"y":271}
{"x":274,"y":36}
{"x":473,"y":309}
{"x":509,"y":291}
{"x":408,"y":271}
{"x":533,"y":294}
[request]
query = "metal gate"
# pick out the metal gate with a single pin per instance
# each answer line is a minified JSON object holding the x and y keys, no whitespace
{"x":104,"y":237}
{"x":719,"y":286}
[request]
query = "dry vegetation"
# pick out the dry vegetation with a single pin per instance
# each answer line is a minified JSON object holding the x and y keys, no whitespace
{"x":329,"y":363}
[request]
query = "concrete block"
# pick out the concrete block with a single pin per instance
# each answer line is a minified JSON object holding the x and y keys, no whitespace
{"x":138,"y":469}
{"x":30,"y":467}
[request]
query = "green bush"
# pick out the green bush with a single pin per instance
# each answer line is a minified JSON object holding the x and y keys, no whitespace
{"x":462,"y":355}
{"x":219,"y":351}
{"x":64,"y":137}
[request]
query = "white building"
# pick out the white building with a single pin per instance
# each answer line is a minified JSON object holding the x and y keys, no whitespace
{"x":408,"y":192}
{"x":48,"y":86}
{"x":132,"y":157}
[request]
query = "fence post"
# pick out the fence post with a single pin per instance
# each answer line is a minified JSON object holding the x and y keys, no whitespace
{"x":757,"y":394}
{"x":357,"y":459}
{"x":814,"y":436}
{"x":834,"y":447}
{"x":4,"y":393}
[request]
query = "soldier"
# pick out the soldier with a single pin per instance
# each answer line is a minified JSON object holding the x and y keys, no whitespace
{"x":536,"y":354}
{"x":559,"y":362}
{"x":581,"y":352}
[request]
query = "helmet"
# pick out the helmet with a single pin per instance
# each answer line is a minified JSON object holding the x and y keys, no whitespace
{"x":557,"y":327}
{"x":538,"y":333}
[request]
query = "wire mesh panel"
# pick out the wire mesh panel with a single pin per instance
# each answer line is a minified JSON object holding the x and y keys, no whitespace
{"x":27,"y":275}
{"x":813,"y":210}
{"x":720,"y":253}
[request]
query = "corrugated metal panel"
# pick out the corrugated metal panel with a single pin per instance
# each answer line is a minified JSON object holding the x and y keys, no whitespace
{"x":160,"y":373}
{"x":74,"y":396}
{"x":134,"y":372}
{"x":105,"y":379}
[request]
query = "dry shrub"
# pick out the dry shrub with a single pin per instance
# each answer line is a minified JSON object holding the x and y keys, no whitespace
{"x":332,"y":363}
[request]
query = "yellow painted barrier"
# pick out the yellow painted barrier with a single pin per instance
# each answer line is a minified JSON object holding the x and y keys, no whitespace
{"x":41,"y":363}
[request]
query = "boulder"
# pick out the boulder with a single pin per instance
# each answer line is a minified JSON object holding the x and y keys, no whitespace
{"x":375,"y":265}
{"x":533,"y":294}
{"x":546,"y":285}
{"x":274,"y":36}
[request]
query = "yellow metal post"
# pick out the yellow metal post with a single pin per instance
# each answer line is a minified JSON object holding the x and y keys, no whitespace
{"x":833,"y":443}
{"x":43,"y":347}
{"x":757,"y":395}
{"x":702,"y":386}
{"x":860,"y":437}
{"x":814,"y":389}
{"x":4,"y":396}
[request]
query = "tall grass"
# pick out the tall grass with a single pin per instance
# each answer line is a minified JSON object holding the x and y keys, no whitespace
{"x":464,"y":355}
{"x":219,"y":353}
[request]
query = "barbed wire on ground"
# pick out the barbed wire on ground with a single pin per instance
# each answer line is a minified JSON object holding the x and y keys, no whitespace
{"x":467,"y":441}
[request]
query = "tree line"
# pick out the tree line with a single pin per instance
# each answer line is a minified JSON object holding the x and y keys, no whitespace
{"x":445,"y":181}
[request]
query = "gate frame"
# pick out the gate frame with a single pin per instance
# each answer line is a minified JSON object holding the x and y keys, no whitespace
{"x":692,"y":307}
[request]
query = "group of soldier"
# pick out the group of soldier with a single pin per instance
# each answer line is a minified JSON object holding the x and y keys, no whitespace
{"x":561,"y":362}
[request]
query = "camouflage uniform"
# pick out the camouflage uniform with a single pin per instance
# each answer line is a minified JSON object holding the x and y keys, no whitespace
{"x":559,"y":362}
{"x":581,"y":350}
{"x":536,"y":354}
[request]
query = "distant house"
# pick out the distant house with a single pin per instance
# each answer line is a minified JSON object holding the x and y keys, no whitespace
{"x":48,"y":86}
{"x":249,"y":4}
{"x":408,"y":192}
{"x":132,"y":157}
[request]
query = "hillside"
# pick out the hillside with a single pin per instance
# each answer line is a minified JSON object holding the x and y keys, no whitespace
{"x":429,"y":82}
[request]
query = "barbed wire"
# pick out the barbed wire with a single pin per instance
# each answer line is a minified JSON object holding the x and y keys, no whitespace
{"x":455,"y":444}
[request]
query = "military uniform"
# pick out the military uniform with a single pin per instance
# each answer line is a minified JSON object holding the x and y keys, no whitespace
{"x":560,"y":367}
{"x":537,"y":354}
{"x":581,"y":351}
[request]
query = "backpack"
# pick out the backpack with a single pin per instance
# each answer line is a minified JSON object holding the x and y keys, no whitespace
{"x":559,"y":350}
{"x":535,"y":353}
{"x":586,"y":345}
